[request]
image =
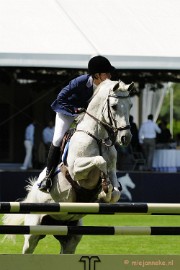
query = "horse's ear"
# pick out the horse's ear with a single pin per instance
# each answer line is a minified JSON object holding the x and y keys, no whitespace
{"x":130,"y":87}
{"x":116,"y":86}
{"x":123,"y":86}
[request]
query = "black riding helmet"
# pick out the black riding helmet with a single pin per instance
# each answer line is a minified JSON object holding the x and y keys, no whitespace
{"x":99,"y":64}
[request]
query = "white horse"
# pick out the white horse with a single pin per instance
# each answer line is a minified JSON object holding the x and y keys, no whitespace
{"x":91,"y":155}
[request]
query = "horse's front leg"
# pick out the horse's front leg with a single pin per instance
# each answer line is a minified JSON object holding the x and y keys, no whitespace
{"x":110,"y":185}
{"x":111,"y":166}
{"x":87,"y":172}
{"x":106,"y":192}
{"x":116,"y":192}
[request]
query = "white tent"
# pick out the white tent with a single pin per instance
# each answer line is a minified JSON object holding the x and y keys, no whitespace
{"x":133,"y":34}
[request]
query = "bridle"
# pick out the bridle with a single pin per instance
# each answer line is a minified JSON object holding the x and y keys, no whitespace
{"x":111,"y":128}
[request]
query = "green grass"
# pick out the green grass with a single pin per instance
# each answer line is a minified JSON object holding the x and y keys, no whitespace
{"x":165,"y":245}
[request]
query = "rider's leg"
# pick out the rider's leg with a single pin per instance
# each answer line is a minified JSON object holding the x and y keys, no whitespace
{"x":52,"y":161}
{"x":62,"y":125}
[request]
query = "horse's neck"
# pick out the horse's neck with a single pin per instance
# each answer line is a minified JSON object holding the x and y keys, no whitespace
{"x":95,"y":109}
{"x":92,"y":126}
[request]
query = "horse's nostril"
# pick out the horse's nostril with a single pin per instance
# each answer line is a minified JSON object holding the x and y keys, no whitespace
{"x":123,"y":139}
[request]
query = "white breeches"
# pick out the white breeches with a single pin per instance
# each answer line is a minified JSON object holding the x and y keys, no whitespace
{"x":62,"y":124}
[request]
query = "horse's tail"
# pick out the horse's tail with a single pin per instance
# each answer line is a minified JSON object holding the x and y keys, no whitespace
{"x":18,"y":219}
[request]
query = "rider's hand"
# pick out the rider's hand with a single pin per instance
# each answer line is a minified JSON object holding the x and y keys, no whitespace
{"x":80,"y":110}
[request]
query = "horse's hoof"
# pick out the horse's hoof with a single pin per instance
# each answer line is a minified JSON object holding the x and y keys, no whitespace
{"x":105,"y":185}
{"x":106,"y":196}
{"x":116,"y":194}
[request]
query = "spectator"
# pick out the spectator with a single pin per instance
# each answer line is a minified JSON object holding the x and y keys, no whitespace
{"x":165,"y":136}
{"x":28,"y":144}
{"x":147,"y":138}
{"x":178,"y":140}
{"x":134,"y":131}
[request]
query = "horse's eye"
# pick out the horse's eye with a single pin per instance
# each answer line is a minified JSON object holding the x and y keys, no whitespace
{"x":114,"y":107}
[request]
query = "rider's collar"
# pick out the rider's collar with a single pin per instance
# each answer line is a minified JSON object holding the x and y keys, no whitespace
{"x":89,"y":82}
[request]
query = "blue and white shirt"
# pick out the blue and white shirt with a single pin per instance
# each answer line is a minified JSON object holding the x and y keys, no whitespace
{"x":76,"y":94}
{"x":29,"y":133}
{"x":148,"y":130}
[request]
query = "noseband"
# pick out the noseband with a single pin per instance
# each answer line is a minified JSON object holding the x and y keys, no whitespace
{"x":111,"y":128}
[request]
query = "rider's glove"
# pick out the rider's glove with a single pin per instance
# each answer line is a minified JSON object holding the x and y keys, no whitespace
{"x":80,"y":110}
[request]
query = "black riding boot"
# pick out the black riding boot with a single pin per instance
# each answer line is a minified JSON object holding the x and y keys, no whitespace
{"x":52,"y":162}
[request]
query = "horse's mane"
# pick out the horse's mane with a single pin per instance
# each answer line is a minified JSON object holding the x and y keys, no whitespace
{"x":102,"y":89}
{"x":79,"y":118}
{"x":106,"y":87}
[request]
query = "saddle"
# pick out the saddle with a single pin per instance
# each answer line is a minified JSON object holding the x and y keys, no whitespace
{"x":65,"y":143}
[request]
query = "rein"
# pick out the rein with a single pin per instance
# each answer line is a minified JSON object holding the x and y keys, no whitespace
{"x":111,"y":130}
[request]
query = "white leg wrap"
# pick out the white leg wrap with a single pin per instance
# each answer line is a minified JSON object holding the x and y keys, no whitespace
{"x":115,"y":195}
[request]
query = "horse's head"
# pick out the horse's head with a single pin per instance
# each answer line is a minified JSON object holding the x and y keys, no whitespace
{"x":117,"y":110}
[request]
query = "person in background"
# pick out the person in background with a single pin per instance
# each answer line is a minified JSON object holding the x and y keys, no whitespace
{"x":126,"y":155}
{"x":28,"y":144}
{"x":72,"y":100}
{"x":47,"y":135}
{"x":135,"y":137}
{"x":147,"y":138}
{"x":165,"y":136}
{"x":178,"y":140}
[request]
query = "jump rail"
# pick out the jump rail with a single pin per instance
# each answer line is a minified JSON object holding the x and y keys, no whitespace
{"x":89,"y":230}
{"x":91,"y":208}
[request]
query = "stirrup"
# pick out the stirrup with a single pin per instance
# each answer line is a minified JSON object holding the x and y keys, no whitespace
{"x":45,"y":185}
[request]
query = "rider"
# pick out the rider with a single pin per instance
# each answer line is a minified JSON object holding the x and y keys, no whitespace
{"x":70,"y":101}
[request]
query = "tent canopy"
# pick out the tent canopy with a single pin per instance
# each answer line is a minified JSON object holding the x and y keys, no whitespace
{"x":133,"y":34}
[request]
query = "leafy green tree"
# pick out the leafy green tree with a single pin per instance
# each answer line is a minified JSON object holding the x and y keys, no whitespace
{"x":165,"y":110}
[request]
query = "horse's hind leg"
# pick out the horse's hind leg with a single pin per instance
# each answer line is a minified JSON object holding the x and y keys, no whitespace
{"x":30,"y":243}
{"x":70,"y":242}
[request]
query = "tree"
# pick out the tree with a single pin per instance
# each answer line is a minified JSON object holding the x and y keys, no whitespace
{"x":165,"y":110}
